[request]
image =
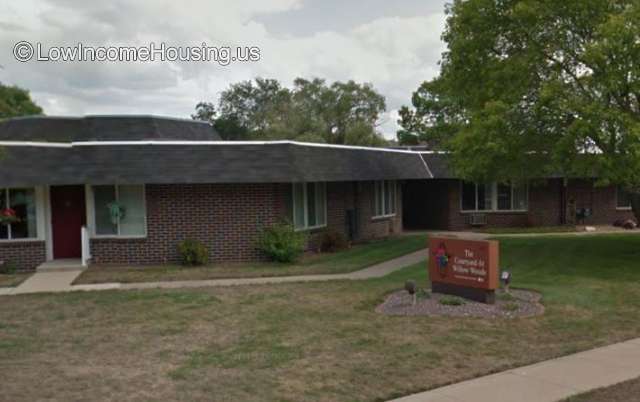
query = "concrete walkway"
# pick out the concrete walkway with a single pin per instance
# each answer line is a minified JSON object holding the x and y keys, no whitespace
{"x":61,"y":281}
{"x":548,"y":381}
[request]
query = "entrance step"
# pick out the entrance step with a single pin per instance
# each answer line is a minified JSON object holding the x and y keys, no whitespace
{"x":62,"y":265}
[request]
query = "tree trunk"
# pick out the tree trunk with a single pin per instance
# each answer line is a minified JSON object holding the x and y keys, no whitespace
{"x":635,"y":204}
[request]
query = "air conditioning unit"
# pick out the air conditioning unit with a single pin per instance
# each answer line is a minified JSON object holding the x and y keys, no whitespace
{"x":478,"y":219}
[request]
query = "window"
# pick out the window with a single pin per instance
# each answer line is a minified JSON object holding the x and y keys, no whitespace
{"x":623,"y":199}
{"x":385,"y":198}
{"x":23,"y":202}
{"x":494,"y":197}
{"x":309,"y":205}
{"x":119,"y":210}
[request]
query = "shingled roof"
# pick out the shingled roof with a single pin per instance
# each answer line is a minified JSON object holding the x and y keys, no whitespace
{"x":438,"y":163}
{"x":105,"y":128}
{"x":33,"y":158}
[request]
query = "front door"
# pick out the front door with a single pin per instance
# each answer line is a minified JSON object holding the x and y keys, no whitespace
{"x":67,"y":218}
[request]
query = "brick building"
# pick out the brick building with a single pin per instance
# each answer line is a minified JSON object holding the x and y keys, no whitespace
{"x":447,"y":203}
{"x":129,"y":189}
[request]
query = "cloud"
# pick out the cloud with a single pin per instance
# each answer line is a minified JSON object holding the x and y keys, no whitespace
{"x":393,"y":52}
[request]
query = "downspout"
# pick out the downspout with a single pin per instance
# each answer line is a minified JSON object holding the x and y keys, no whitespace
{"x":356,"y":212}
{"x":563,"y":201}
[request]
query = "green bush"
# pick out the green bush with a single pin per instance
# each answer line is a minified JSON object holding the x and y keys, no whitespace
{"x":7,"y":267}
{"x":193,"y":252}
{"x":451,"y":301}
{"x":332,"y":241}
{"x":282,"y":243}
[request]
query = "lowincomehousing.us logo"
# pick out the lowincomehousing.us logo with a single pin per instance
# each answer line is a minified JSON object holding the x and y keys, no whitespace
{"x":25,"y":51}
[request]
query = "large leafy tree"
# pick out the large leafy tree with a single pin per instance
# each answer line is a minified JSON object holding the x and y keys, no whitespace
{"x":15,"y":102}
{"x":340,"y":113}
{"x":531,"y":87}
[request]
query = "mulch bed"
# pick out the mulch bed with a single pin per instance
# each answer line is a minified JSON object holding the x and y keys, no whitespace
{"x":518,"y":303}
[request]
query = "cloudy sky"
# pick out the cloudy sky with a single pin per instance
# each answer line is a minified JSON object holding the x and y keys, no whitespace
{"x":395,"y":45}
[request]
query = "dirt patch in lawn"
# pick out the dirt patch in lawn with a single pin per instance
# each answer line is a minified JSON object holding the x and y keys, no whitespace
{"x":13,"y":280}
{"x":516,"y":303}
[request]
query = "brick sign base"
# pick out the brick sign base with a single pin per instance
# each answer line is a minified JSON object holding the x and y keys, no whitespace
{"x":479,"y":295}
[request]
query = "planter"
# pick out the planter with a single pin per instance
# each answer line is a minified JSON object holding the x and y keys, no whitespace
{"x":8,"y":216}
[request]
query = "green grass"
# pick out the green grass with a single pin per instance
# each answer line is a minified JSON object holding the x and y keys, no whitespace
{"x":358,"y":257}
{"x":13,"y":280}
{"x":532,"y":230}
{"x":312,"y":341}
{"x":627,"y":391}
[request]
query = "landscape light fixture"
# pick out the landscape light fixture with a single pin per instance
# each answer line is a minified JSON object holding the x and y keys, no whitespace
{"x":506,"y":280}
{"x":410,"y":287}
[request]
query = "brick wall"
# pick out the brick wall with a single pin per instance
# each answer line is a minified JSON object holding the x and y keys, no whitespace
{"x":25,"y":255}
{"x":544,"y":205}
{"x":370,"y":227}
{"x":358,"y":196}
{"x":228,"y":219}
{"x":225,"y":217}
{"x":601,"y":200}
{"x":460,"y":221}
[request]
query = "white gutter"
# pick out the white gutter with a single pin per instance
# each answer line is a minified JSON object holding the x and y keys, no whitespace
{"x":426,"y":166}
{"x":217,"y":143}
{"x":210,"y":143}
{"x":36,"y":144}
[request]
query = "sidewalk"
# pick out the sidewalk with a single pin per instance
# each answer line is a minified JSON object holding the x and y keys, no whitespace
{"x":61,"y":281}
{"x":547,"y":381}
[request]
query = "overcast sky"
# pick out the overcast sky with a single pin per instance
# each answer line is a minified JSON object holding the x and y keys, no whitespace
{"x":395,"y":45}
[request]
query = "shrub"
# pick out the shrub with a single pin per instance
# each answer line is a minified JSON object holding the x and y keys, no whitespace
{"x":282,"y":243}
{"x":332,"y":241}
{"x":505,"y":296}
{"x":193,"y":252}
{"x":423,"y":294}
{"x":451,"y":301}
{"x":7,"y":267}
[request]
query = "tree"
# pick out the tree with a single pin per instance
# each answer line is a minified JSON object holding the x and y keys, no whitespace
{"x":342,"y":113}
{"x":15,"y":102}
{"x":533,"y":87}
{"x":228,"y":128}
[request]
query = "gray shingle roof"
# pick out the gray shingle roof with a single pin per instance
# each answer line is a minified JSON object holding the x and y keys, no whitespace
{"x":202,"y":163}
{"x":104,"y":128}
{"x":144,"y":149}
{"x":438,"y":165}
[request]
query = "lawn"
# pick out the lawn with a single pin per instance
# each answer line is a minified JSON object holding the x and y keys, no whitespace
{"x":533,"y":229}
{"x":627,"y":391}
{"x":12,"y":280}
{"x":314,"y":341}
{"x":355,"y":258}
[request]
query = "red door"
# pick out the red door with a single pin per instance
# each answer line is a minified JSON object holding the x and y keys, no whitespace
{"x":67,"y":217}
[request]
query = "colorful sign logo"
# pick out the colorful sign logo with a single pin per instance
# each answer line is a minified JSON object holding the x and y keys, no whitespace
{"x":442,"y":259}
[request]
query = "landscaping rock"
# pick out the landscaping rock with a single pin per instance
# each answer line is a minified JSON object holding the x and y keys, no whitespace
{"x":517,"y":303}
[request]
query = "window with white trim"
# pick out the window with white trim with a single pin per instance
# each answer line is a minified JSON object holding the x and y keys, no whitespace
{"x":385,"y":198}
{"x":623,"y":199}
{"x":493,"y":197}
{"x":18,"y":206}
{"x":309,"y":205}
{"x":119,"y":210}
